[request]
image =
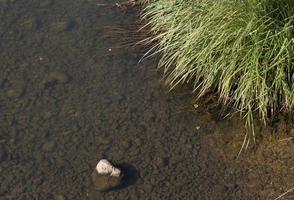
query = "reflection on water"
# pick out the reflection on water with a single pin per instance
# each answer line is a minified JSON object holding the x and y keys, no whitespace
{"x":65,"y":104}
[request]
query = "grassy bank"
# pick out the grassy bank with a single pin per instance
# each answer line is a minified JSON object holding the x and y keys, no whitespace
{"x":242,"y":49}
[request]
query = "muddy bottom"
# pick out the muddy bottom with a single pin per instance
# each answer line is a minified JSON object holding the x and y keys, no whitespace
{"x":66,"y":101}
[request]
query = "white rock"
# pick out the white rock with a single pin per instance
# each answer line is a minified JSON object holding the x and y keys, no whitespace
{"x":105,"y":167}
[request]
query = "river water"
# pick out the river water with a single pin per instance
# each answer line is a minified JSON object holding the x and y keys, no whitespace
{"x":67,"y":101}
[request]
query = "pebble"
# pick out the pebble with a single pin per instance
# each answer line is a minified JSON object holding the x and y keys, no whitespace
{"x":63,"y":25}
{"x":183,"y":140}
{"x":126,"y":144}
{"x":138,"y":141}
{"x":104,"y":167}
{"x":161,"y":162}
{"x":32,"y":24}
{"x":59,"y":197}
{"x":105,"y":182}
{"x":47,"y":115}
{"x":48,"y":146}
{"x":60,"y":77}
{"x":15,"y":92}
{"x":55,"y":78}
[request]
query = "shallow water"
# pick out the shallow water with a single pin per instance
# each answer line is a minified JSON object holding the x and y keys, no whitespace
{"x":66,"y":102}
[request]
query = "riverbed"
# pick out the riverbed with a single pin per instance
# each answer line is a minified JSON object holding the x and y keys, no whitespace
{"x":67,"y":100}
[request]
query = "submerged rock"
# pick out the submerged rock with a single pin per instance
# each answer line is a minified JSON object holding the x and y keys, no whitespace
{"x":106,"y":177}
{"x":55,"y":77}
{"x":104,"y":167}
{"x":65,"y":25}
{"x":105,"y":182}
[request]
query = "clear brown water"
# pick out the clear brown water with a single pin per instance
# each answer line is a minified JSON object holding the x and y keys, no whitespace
{"x":65,"y":103}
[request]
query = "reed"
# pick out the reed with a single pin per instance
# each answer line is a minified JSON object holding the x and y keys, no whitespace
{"x":243,"y":49}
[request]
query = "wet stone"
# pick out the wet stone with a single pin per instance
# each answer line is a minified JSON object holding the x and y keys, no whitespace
{"x":105,"y":182}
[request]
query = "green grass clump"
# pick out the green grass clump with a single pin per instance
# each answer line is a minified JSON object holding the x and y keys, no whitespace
{"x":242,"y":48}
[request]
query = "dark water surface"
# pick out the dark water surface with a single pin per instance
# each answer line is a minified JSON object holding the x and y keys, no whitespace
{"x":65,"y":103}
